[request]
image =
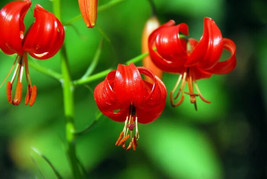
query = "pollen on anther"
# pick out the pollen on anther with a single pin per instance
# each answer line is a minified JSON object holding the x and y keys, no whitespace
{"x":9,"y":92}
{"x":33,"y":95}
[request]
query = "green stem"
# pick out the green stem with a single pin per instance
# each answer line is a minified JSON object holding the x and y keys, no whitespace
{"x":137,"y":59}
{"x":92,"y":66}
{"x":92,"y":78}
{"x":68,"y":102}
{"x":105,"y":72}
{"x":69,"y":113}
{"x":99,"y":9}
{"x":44,"y":70}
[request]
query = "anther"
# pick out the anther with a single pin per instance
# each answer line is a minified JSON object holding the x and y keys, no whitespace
{"x":9,"y":92}
{"x":123,"y":139}
{"x":31,"y":95}
{"x":18,"y":93}
{"x":119,"y":139}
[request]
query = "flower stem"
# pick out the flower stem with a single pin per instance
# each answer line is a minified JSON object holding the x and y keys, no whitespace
{"x":105,"y":72}
{"x":100,"y":8}
{"x":45,"y":71}
{"x":68,"y":102}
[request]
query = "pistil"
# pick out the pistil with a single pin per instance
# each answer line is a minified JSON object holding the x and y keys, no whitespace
{"x":129,"y":125}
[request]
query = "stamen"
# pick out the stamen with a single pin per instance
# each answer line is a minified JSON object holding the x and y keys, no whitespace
{"x":119,"y":139}
{"x":133,"y":143}
{"x":136,"y":129}
{"x":18,"y":93}
{"x":28,"y":94}
{"x":9,"y":92}
{"x":129,"y":125}
{"x":33,"y":95}
{"x":130,"y":145}
{"x":181,"y":90}
{"x":123,"y":139}
{"x":199,"y":93}
{"x":191,"y":91}
{"x":10,"y":70}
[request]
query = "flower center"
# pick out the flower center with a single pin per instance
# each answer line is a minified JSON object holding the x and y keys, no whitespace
{"x":186,"y":77}
{"x":128,"y":130}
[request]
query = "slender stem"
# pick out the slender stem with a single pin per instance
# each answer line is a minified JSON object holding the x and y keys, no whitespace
{"x":109,"y":5}
{"x":138,"y":58}
{"x":153,"y":7}
{"x":92,"y":78}
{"x":92,"y":66}
{"x":68,"y":102}
{"x":100,"y":8}
{"x":44,"y":70}
{"x":69,"y":113}
{"x":87,"y":129}
{"x":105,"y":72}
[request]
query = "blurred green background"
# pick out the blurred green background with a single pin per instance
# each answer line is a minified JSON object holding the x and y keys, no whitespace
{"x":224,"y":139}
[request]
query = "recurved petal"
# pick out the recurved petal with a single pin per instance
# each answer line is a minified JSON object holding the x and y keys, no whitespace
{"x":88,"y":10}
{"x":209,"y":49}
{"x":46,"y":35}
{"x":171,"y":54}
{"x":128,"y":84}
{"x":228,"y":65}
{"x":106,"y":99}
{"x":154,"y":103}
{"x":12,"y":27}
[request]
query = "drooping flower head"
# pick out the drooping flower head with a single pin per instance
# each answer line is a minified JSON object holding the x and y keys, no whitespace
{"x":125,"y":97}
{"x":42,"y":41}
{"x":88,"y":10}
{"x":192,"y":59}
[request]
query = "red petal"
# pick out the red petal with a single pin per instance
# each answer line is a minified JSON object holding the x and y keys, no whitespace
{"x":228,"y":65}
{"x":209,"y":49}
{"x":12,"y":26}
{"x":153,"y":105}
{"x":89,"y":11}
{"x":46,"y":35}
{"x":171,"y":50}
{"x":124,"y":87}
{"x":129,"y":85}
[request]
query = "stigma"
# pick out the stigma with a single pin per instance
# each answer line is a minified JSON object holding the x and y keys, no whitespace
{"x":130,"y":130}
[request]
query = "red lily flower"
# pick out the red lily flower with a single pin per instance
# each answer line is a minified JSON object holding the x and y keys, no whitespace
{"x":42,"y":40}
{"x":192,"y":59}
{"x":88,"y":10}
{"x":125,"y":97}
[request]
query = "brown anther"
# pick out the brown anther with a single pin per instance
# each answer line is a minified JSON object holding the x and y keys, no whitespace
{"x":9,"y":92}
{"x":119,"y":139}
{"x":33,"y":95}
{"x":28,"y":94}
{"x":18,"y":94}
{"x":123,"y":139}
{"x":123,"y":145}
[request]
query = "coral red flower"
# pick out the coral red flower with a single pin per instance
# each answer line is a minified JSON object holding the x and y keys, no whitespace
{"x":42,"y":40}
{"x":125,"y":97}
{"x":88,"y":10}
{"x":192,"y":59}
